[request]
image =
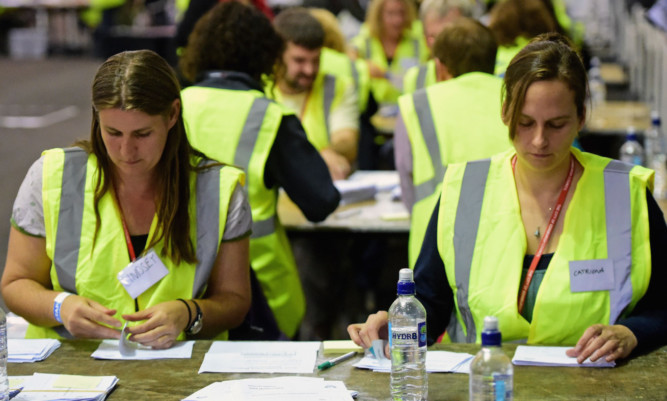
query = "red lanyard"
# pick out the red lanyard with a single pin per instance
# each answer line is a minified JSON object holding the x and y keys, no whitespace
{"x":128,"y":240}
{"x":547,"y":233}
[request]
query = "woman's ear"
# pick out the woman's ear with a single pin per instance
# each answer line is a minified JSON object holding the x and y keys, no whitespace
{"x":582,"y":119}
{"x":503,"y":114}
{"x":174,"y":113}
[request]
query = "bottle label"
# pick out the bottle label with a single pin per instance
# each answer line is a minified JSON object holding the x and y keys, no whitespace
{"x":502,"y":393}
{"x":408,"y":336}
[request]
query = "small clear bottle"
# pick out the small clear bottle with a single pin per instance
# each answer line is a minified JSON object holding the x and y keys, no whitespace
{"x":656,"y":158}
{"x":491,"y":371}
{"x":632,"y":151}
{"x":4,"y":382}
{"x":407,"y":342}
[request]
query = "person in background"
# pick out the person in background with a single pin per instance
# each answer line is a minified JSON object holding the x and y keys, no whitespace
{"x":563,"y":247}
{"x":135,"y":192}
{"x":453,"y":121}
{"x":229,"y":117}
{"x":390,"y":45}
{"x":434,"y":15}
{"x":514,"y":23}
{"x":195,"y":9}
{"x":326,"y":104}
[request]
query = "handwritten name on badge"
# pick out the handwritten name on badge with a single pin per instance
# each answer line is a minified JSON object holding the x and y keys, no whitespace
{"x":591,"y":275}
{"x":141,"y":274}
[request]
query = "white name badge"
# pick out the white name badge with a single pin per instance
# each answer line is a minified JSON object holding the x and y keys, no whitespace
{"x":591,"y":275}
{"x":141,"y":274}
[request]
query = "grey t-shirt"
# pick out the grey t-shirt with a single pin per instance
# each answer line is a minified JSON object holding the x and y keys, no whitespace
{"x":28,"y":213}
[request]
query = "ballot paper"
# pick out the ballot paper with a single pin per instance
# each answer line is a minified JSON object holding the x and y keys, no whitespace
{"x":553,"y":356}
{"x":436,"y":362}
{"x":261,"y":357}
{"x":22,"y":350}
{"x":51,"y":387}
{"x":110,"y":349}
{"x":355,"y":191}
{"x":291,"y":388}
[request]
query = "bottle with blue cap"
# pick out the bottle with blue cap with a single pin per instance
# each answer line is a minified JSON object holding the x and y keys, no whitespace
{"x":632,"y":151}
{"x":407,"y":342}
{"x":491,"y":371}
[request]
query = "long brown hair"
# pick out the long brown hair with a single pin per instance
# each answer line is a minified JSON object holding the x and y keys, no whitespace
{"x":548,"y":57}
{"x":142,"y":80}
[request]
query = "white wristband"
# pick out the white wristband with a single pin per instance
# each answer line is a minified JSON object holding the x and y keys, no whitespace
{"x":58,"y":303}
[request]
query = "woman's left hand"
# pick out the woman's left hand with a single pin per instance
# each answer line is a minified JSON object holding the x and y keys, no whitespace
{"x":600,"y":340}
{"x":163,"y":324}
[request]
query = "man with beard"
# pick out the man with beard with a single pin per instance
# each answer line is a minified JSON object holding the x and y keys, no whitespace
{"x":326,"y":104}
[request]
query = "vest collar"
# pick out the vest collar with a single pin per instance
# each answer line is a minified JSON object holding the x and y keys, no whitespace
{"x":230,"y":80}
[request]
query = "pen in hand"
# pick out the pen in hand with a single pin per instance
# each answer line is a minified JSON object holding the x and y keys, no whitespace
{"x":336,"y":361}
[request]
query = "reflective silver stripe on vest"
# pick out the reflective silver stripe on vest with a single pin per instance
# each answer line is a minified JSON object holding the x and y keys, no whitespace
{"x":208,"y":224}
{"x":368,"y":48}
{"x":329,"y":93}
{"x":355,"y":74}
{"x":70,"y":218}
{"x":421,"y":76}
{"x":415,"y":44}
{"x":465,"y":234}
{"x":244,"y":151}
{"x":423,"y":110}
{"x":263,"y":228}
{"x":63,"y":332}
{"x":250,"y":132}
{"x":619,"y":234}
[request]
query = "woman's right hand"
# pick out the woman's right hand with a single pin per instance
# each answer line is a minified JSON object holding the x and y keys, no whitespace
{"x":376,"y":327}
{"x":85,"y":318}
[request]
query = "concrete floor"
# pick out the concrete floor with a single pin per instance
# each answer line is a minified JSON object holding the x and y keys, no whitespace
{"x":55,"y":92}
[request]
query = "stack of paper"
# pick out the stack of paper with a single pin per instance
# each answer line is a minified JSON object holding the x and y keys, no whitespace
{"x":47,"y":387}
{"x":261,"y":357}
{"x":355,"y":191}
{"x":110,"y":349}
{"x":436,"y":362}
{"x":553,"y":356}
{"x":274,"y":389}
{"x":21,"y":350}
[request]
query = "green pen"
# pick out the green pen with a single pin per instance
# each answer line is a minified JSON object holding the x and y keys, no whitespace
{"x":336,"y":361}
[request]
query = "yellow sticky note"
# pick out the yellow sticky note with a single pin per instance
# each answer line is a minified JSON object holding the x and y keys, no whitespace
{"x":340,"y":347}
{"x":77,"y":382}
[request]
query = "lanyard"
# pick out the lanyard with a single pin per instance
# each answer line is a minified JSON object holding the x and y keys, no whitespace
{"x":128,"y":240}
{"x":547,"y":233}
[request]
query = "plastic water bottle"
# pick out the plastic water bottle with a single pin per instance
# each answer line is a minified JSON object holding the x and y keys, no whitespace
{"x":631,"y":151}
{"x":407,"y":341}
{"x":491,"y":371}
{"x":656,"y":158}
{"x":597,"y":86}
{"x":4,"y":383}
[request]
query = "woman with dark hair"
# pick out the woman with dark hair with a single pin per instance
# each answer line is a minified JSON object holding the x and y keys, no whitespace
{"x":230,"y":51}
{"x":564,"y":247}
{"x":131,"y":225}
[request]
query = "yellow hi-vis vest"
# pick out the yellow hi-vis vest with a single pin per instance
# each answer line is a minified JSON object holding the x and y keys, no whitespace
{"x":505,"y":54}
{"x":239,"y":127}
{"x":411,"y":51}
{"x":482,"y":241}
{"x":325,"y":95}
{"x":419,"y":77}
{"x":87,"y":265}
{"x":450,"y":122}
{"x":336,"y":63}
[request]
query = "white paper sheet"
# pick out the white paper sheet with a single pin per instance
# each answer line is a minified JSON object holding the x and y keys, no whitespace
{"x":553,"y":356}
{"x":109,"y":349}
{"x":261,"y":357}
{"x":436,"y":362}
{"x":289,"y":388}
{"x":43,"y":387}
{"x":31,"y":350}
